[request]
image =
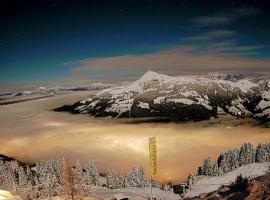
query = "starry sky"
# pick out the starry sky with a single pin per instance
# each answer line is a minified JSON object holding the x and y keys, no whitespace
{"x":78,"y":42}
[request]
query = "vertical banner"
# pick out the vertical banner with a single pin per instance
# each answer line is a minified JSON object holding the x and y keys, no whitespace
{"x":153,"y":156}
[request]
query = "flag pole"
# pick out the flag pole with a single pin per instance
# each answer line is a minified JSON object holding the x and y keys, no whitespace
{"x":150,"y":169}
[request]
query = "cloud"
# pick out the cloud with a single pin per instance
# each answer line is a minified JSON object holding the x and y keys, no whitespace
{"x":225,"y":17}
{"x":222,"y":42}
{"x":213,"y":35}
{"x":180,"y":60}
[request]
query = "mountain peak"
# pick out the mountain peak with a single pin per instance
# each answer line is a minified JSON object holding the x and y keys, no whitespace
{"x":151,"y":75}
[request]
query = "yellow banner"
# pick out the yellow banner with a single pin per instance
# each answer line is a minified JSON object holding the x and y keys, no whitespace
{"x":153,"y":155}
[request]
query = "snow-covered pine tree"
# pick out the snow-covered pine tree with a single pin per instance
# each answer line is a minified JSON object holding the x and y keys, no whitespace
{"x":156,"y":184}
{"x":225,"y":165}
{"x":267,"y":147}
{"x":215,"y":171}
{"x":247,"y":154}
{"x":207,"y":167}
{"x":142,"y":181}
{"x":91,"y":175}
{"x":234,"y":158}
{"x":30,"y":174}
{"x":112,"y":179}
{"x":12,"y":169}
{"x":2,"y":174}
{"x":261,"y":153}
{"x":133,"y":177}
{"x":190,"y":181}
{"x":125,"y":180}
{"x":23,"y":178}
{"x":78,"y":171}
{"x":47,"y":178}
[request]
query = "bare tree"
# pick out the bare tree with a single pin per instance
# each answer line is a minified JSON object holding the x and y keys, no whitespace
{"x":70,"y":177}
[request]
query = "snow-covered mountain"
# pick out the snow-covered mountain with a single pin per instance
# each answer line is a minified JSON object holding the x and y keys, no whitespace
{"x":180,"y":98}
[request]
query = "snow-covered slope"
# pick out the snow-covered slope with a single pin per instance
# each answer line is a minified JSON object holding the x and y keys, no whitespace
{"x":6,"y":195}
{"x":179,"y":98}
{"x":205,"y":184}
{"x":135,"y":193}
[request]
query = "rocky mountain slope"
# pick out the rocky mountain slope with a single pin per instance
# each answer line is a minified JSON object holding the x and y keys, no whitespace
{"x":180,"y":98}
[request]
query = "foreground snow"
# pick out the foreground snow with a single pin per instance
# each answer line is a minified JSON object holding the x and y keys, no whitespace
{"x":5,"y":195}
{"x":135,"y":193}
{"x":205,"y":184}
{"x":104,"y":193}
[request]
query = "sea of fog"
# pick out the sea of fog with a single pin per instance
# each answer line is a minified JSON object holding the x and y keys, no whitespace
{"x":31,"y":131}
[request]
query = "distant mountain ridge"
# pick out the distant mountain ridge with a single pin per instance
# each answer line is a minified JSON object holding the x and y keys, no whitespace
{"x":180,"y":98}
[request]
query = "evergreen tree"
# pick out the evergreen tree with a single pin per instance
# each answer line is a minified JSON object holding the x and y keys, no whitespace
{"x":23,"y":178}
{"x":247,"y":154}
{"x":125,"y":180}
{"x":133,"y":177}
{"x":78,"y":171}
{"x":112,"y":179}
{"x":91,"y":174}
{"x":215,"y":169}
{"x":261,"y":153}
{"x":142,"y":182}
{"x":190,"y":181}
{"x":207,"y":167}
{"x":156,"y":184}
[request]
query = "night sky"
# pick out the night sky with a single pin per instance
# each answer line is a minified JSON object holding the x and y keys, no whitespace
{"x":77,"y":42}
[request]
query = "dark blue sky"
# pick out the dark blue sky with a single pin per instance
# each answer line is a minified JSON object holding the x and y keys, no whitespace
{"x":54,"y":41}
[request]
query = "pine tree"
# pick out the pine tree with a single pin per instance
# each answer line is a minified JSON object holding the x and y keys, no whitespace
{"x":207,"y":167}
{"x":142,"y":182}
{"x":91,"y":176}
{"x":23,"y":178}
{"x":190,"y":181}
{"x":78,"y":171}
{"x":125,"y":180}
{"x":247,"y":154}
{"x":133,"y":177}
{"x":30,"y":175}
{"x":261,"y":153}
{"x":267,"y":147}
{"x":225,"y":165}
{"x":156,"y":184}
{"x":112,"y":179}
{"x":12,"y":169}
{"x":215,"y":171}
{"x":48,"y":178}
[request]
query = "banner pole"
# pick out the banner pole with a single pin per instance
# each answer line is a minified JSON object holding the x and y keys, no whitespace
{"x":150,"y":169}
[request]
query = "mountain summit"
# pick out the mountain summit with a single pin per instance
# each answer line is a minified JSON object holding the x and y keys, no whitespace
{"x":180,"y":98}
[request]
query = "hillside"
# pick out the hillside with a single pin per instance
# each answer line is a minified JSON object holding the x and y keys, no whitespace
{"x":206,"y":184}
{"x":241,"y":189}
{"x":180,"y":98}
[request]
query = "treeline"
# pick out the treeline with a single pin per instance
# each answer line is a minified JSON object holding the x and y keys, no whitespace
{"x":60,"y":177}
{"x":235,"y":158}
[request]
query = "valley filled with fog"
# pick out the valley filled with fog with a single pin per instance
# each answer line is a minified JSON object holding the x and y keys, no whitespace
{"x":31,"y":131}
